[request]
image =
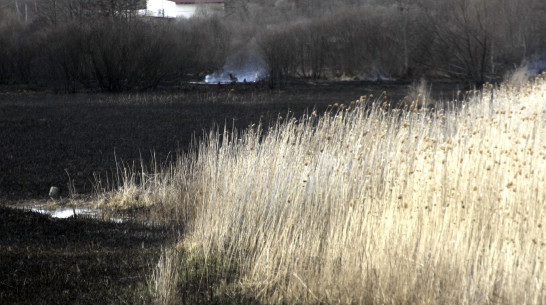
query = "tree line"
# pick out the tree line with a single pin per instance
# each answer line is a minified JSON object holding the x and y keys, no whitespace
{"x":70,"y":45}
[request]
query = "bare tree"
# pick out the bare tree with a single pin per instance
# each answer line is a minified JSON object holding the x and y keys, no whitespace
{"x":464,"y":33}
{"x":277,"y":48}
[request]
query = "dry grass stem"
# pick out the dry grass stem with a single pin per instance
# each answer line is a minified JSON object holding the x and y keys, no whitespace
{"x":370,"y":206}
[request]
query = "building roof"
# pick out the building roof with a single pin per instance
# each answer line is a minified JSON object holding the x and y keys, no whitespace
{"x":196,"y":1}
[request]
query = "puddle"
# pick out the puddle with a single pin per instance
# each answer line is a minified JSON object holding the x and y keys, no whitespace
{"x":64,"y":212}
{"x":67,"y":212}
{"x":85,"y":210}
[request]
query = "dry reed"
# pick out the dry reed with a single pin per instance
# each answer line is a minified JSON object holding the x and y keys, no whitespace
{"x":369,"y":206}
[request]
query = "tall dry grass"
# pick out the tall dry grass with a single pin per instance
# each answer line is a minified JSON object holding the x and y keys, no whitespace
{"x":369,"y":206}
{"x":164,"y":189}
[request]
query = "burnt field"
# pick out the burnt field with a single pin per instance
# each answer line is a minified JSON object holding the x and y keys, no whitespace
{"x":65,"y":140}
{"x":75,"y":261}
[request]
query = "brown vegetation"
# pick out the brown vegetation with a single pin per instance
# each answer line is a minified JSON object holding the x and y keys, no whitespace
{"x":367,"y":205}
{"x":72,"y":47}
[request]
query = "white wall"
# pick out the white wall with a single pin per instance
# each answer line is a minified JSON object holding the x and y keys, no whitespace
{"x":161,"y":8}
{"x":187,"y":10}
{"x":165,"y":8}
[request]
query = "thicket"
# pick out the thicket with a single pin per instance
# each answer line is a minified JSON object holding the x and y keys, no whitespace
{"x":110,"y":54}
{"x":473,"y":40}
{"x":69,"y":45}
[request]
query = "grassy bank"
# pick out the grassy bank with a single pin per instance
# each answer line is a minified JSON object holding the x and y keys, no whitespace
{"x":366,"y":205}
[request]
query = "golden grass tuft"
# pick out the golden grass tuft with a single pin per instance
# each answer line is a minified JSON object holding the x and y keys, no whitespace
{"x":369,"y":206}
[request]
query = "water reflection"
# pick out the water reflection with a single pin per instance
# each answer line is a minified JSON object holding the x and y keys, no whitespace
{"x":67,"y":212}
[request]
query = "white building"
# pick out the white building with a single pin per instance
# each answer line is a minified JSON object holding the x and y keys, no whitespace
{"x":161,"y":8}
{"x":183,"y":8}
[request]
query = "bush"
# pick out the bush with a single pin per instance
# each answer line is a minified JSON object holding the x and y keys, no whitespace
{"x":124,"y":56}
{"x":68,"y":45}
{"x":18,"y":52}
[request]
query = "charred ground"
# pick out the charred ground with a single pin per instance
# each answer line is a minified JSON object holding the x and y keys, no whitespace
{"x":50,"y":139}
{"x":63,"y":140}
{"x":75,"y":260}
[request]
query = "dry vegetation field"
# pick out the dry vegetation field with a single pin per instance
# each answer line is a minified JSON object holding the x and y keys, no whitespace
{"x":331,"y":180}
{"x":74,"y":142}
{"x":363,"y":205}
{"x":47,"y":138}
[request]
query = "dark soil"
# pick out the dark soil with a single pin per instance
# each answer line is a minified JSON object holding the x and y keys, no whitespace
{"x":75,"y":261}
{"x":49,"y":139}
{"x":65,"y":140}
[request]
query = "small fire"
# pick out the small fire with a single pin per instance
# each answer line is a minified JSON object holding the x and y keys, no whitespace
{"x":537,"y":66}
{"x":247,"y":73}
